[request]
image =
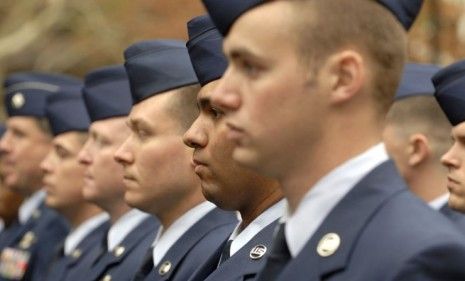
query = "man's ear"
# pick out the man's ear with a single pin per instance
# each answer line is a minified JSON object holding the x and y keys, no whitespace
{"x":347,"y":74}
{"x":419,"y":149}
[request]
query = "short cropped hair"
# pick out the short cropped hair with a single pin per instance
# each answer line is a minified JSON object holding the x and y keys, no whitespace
{"x":183,"y":106}
{"x":43,"y":125}
{"x":325,"y":27}
{"x":422,"y":114}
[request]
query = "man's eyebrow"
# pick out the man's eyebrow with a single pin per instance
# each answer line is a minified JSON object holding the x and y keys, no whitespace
{"x":203,"y":103}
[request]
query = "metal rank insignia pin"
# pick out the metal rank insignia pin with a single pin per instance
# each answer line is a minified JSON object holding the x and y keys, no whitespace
{"x":18,"y":100}
{"x":27,"y":240}
{"x":76,"y":253}
{"x":36,"y":214}
{"x":106,"y":278}
{"x":328,"y":244}
{"x":119,"y":251}
{"x":164,"y":268}
{"x":257,"y":252}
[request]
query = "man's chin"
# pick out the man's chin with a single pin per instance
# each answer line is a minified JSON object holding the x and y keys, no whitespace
{"x":456,"y":203}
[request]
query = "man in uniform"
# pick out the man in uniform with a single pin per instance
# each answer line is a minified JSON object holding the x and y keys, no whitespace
{"x":9,"y":200}
{"x":230,"y":186}
{"x":108,"y":101}
{"x":28,"y":245}
{"x":449,"y":83}
{"x":159,"y":174}
{"x":63,"y":181}
{"x":305,"y":97}
{"x":416,"y":135}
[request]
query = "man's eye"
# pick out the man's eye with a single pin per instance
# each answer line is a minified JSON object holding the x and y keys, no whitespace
{"x":216,"y":113}
{"x":142,"y":134}
{"x":250,"y":68}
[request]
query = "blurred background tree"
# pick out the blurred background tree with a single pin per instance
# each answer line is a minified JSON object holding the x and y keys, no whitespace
{"x":75,"y":36}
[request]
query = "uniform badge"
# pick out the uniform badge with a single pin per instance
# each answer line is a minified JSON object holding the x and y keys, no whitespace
{"x":257,"y":252}
{"x":18,"y":100}
{"x":14,"y":263}
{"x":28,"y":239}
{"x":164,"y":268}
{"x":76,"y":253}
{"x":328,"y":244}
{"x":36,"y":214}
{"x":106,"y":278}
{"x":119,"y":251}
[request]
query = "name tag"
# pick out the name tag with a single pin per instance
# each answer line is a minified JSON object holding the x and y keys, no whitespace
{"x":13,"y":263}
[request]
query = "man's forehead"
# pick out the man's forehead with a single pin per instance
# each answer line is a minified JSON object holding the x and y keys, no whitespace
{"x":251,"y":28}
{"x":22,"y":122}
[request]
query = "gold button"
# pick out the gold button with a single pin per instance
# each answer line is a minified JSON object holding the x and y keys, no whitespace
{"x":328,"y":245}
{"x":164,"y":268}
{"x":119,"y":251}
{"x":106,"y":278}
{"x":18,"y":100}
{"x":257,"y":252}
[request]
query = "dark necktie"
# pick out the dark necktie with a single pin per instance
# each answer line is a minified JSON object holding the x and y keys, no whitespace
{"x":146,"y":268}
{"x":226,"y":252}
{"x":278,"y":257}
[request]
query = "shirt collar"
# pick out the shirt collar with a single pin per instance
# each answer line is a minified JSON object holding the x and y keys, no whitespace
{"x":166,"y":238}
{"x":30,"y":205}
{"x":240,"y":238}
{"x":81,"y":232}
{"x":123,"y":226}
{"x":439,"y":202}
{"x":325,"y":194}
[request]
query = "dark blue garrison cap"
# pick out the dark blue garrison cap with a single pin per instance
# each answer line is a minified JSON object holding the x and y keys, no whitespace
{"x":205,"y":48}
{"x":26,"y":92}
{"x":225,"y":12}
{"x":66,"y":112}
{"x":416,"y":80}
{"x":406,"y":11}
{"x":157,"y":66}
{"x":450,"y":91}
{"x":106,"y":93}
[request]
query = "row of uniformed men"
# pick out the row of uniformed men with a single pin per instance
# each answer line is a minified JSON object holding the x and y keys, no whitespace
{"x":118,"y":141}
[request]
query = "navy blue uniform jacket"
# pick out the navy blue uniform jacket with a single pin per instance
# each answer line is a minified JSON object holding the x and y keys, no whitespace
{"x":194,"y":247}
{"x":49,"y":230}
{"x":386,"y":234}
{"x":240,"y":266}
{"x":79,"y":260}
{"x":122,"y":265}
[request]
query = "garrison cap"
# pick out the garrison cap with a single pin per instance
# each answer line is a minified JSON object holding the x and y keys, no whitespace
{"x":66,"y":112}
{"x":158,"y":66}
{"x":225,"y":12}
{"x":416,"y":80}
{"x":106,"y":93}
{"x":26,"y":92}
{"x":205,"y":48}
{"x":406,"y":11}
{"x":450,"y":91}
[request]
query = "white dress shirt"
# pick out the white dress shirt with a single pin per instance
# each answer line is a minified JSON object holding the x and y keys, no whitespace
{"x":325,"y":194}
{"x":439,"y":202}
{"x":166,"y":238}
{"x":123,"y":226}
{"x":30,"y":205}
{"x":240,"y":238}
{"x":79,"y":233}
